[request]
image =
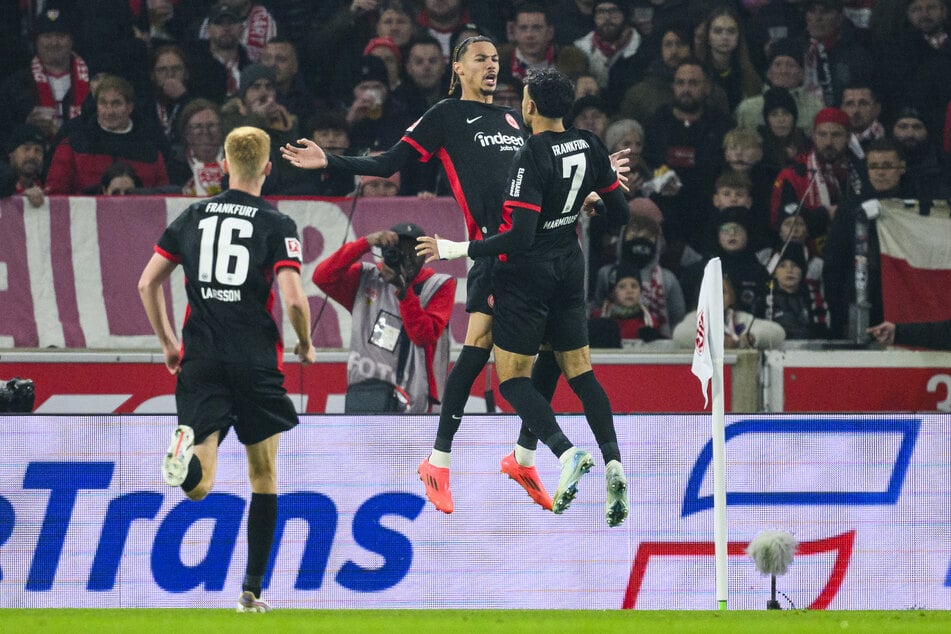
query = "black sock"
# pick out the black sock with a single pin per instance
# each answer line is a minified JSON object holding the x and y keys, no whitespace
{"x":193,"y":477}
{"x":262,"y":517}
{"x":597,"y":409}
{"x":535,"y":412}
{"x":545,"y":375}
{"x":467,"y":367}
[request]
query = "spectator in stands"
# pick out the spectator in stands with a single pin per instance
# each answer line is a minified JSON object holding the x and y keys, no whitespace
{"x":642,"y":100}
{"x":934,"y":334}
{"x":783,"y":138}
{"x":785,"y":70}
{"x":640,"y":247}
{"x":377,"y":120}
{"x":90,"y":146}
{"x":821,"y":179}
{"x":773,"y":21}
{"x":743,"y":153}
{"x":623,"y":307}
{"x":170,"y":79}
{"x":572,"y":19}
{"x":424,"y":83}
{"x":256,"y":105}
{"x":741,"y":329}
{"x":738,"y":260}
{"x":795,"y":302}
{"x":23,"y":174}
{"x":400,"y":311}
{"x":197,"y":166}
{"x":794,"y":231}
{"x":391,"y":56}
{"x":852,"y":230}
{"x":727,"y":57}
{"x":836,"y":52}
{"x":329,"y":129}
{"x":687,"y":137}
{"x":612,"y":38}
{"x":917,"y":58}
{"x":378,"y":186}
{"x":441,"y":18}
{"x":257,"y":25}
{"x":861,"y":104}
{"x":119,"y":179}
{"x":396,"y":22}
{"x":629,"y":134}
{"x":216,"y":63}
{"x":532,"y":46}
{"x":590,"y":113}
{"x":292,"y":91}
{"x":732,"y":189}
{"x":52,"y":89}
{"x":927,"y":176}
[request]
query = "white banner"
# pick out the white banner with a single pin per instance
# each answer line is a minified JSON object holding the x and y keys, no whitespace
{"x":85,"y":520}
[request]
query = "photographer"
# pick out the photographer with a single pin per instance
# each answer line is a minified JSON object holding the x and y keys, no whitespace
{"x":399,"y":344}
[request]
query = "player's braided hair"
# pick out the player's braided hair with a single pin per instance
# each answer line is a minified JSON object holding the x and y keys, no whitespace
{"x":459,"y":51}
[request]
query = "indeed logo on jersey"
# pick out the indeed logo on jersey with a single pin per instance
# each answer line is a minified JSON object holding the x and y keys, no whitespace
{"x":508,"y":142}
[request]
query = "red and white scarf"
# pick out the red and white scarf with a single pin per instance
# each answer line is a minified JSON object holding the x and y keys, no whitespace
{"x":520,"y":67}
{"x":79,"y":85}
{"x":654,"y":296}
{"x":259,"y":27}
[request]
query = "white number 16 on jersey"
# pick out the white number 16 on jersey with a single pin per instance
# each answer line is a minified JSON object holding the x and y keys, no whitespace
{"x":231,"y":264}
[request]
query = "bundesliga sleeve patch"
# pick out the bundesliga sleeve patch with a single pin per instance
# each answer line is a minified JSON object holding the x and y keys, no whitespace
{"x":293,"y":248}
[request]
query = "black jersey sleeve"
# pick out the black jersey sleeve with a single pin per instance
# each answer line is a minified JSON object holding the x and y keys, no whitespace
{"x":169,"y":244}
{"x":284,"y":247}
{"x":384,"y":165}
{"x":518,"y":238}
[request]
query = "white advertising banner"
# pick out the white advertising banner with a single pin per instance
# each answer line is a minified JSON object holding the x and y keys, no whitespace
{"x":85,"y":520}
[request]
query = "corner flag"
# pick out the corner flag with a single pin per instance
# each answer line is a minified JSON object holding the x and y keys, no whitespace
{"x":708,"y":348}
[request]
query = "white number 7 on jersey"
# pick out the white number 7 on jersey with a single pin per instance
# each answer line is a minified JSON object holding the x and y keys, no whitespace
{"x":574,"y":167}
{"x":229,"y":253}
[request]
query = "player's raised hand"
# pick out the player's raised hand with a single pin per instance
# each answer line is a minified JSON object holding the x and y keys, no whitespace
{"x":427,"y":247}
{"x":621,"y":163}
{"x":310,"y":156}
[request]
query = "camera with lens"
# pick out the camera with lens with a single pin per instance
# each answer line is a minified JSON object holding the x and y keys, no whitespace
{"x":17,"y":395}
{"x":394,"y":258}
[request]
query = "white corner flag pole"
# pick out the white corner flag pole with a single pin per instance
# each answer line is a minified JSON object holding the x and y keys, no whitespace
{"x":708,"y":364}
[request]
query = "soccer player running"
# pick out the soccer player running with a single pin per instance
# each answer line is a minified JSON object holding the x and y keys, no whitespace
{"x":230,"y":365}
{"x":475,"y":141}
{"x":538,"y":283}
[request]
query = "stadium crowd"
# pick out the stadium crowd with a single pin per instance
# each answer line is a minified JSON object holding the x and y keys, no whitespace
{"x":757,"y":127}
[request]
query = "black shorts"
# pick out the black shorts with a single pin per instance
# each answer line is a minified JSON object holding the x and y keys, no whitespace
{"x":213,"y":396}
{"x":479,"y":286}
{"x":538,"y":302}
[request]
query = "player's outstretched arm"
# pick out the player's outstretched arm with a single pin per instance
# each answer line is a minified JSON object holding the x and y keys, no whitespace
{"x":310,"y":156}
{"x":153,"y":299}
{"x":298,"y":312}
{"x":436,"y":248}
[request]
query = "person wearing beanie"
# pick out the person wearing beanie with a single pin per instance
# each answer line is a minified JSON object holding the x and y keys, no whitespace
{"x":737,"y":259}
{"x":256,"y":105}
{"x":23,"y":172}
{"x":785,"y":70}
{"x":821,"y":179}
{"x":52,"y":88}
{"x":377,"y":120}
{"x":640,"y":246}
{"x":795,"y":302}
{"x":928,"y":176}
{"x":783,"y":139}
{"x":389,"y":53}
{"x":612,"y":39}
{"x":624,"y":306}
{"x":836,"y":52}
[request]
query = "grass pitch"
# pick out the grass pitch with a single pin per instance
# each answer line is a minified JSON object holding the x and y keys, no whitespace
{"x":141,"y":621}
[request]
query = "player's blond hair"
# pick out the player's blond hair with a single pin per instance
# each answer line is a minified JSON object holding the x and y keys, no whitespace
{"x":247,"y":150}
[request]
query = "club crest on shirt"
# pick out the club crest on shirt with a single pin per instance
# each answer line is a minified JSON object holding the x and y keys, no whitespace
{"x":511,"y":120}
{"x":293,"y":247}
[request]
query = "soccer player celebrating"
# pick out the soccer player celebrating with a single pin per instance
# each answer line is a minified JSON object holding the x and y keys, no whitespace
{"x":475,"y":142}
{"x":539,"y":284}
{"x":229,"y":369}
